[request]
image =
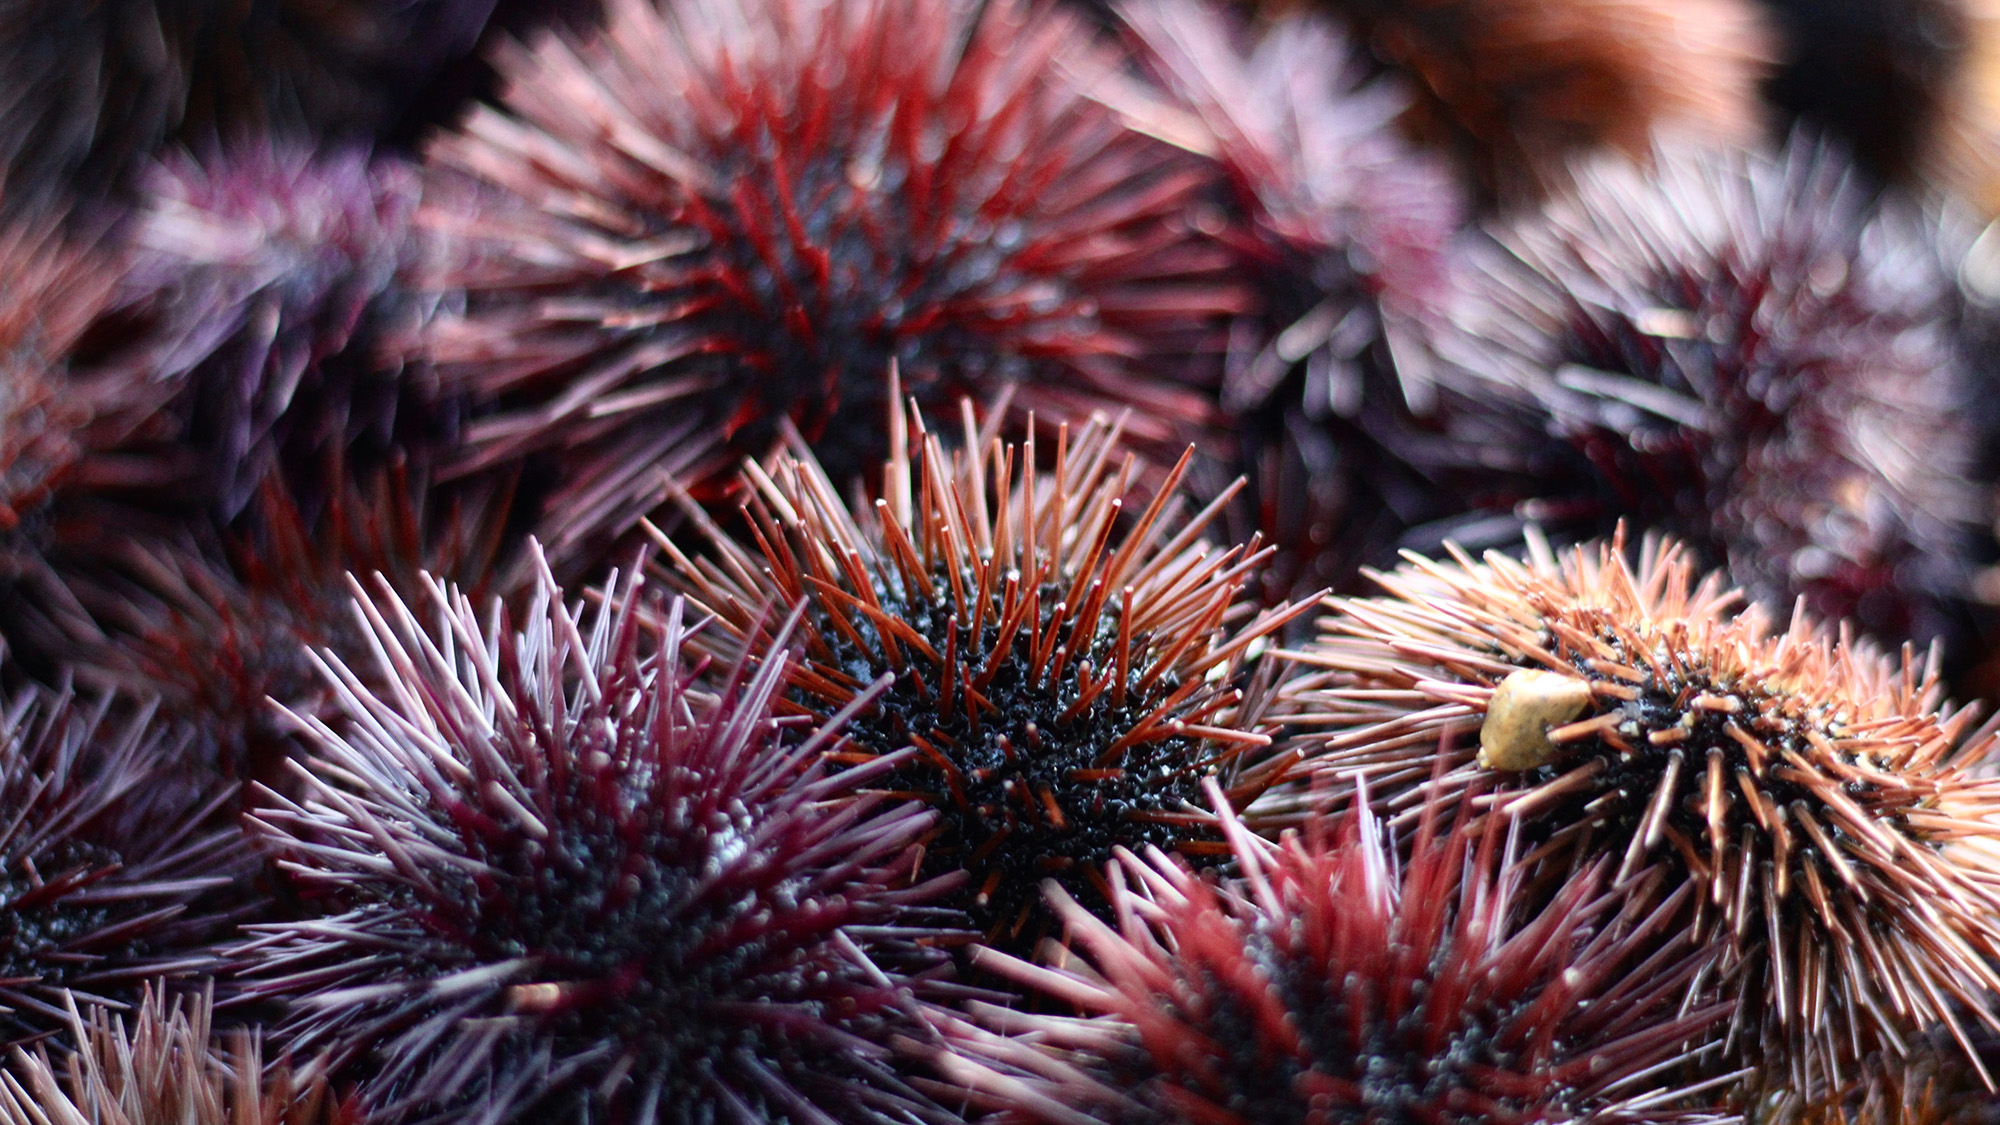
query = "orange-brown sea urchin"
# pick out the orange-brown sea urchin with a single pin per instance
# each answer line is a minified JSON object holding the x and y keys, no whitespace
{"x":1804,"y":784}
{"x":1070,"y":675}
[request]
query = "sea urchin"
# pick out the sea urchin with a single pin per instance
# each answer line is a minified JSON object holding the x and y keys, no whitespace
{"x":1069,"y":677}
{"x":1327,"y":985}
{"x":717,"y":214}
{"x":563,"y":882}
{"x":1805,"y":787}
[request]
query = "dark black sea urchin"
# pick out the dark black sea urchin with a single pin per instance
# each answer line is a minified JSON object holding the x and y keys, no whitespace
{"x":1744,"y":351}
{"x":106,"y":864}
{"x":1068,"y":677}
{"x":1808,"y":789}
{"x":715,"y":215}
{"x":1329,"y":985}
{"x":562,"y":882}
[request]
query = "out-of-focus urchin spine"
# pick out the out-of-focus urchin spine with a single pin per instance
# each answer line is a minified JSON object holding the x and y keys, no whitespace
{"x":55,"y":289}
{"x":1744,"y":351}
{"x":1344,"y":228}
{"x":1069,"y":673}
{"x":271,"y":289}
{"x":1330,"y":983}
{"x":109,"y":870}
{"x":93,"y":91}
{"x":219,"y":625}
{"x":561,"y":880}
{"x":716,"y":217}
{"x":1812,"y":791}
{"x":1517,"y":89}
{"x":165,"y":1068}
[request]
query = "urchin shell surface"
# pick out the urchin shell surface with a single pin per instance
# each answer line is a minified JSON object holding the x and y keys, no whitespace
{"x":561,"y":880}
{"x":1744,"y":351}
{"x":1069,"y":679}
{"x":1806,"y":787}
{"x":1330,"y":983}
{"x":715,"y":216}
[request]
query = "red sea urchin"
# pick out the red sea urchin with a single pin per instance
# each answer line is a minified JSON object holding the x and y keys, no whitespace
{"x":269,"y":286}
{"x":715,"y":215}
{"x":104,"y":861}
{"x":1328,"y":985}
{"x":563,"y":882}
{"x":1069,"y":678}
{"x":1741,"y":350}
{"x":1806,"y":788}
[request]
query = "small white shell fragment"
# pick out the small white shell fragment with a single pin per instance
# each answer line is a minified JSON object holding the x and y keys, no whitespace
{"x":1525,"y":705}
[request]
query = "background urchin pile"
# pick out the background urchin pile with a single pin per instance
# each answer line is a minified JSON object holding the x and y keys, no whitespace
{"x":918,"y":562}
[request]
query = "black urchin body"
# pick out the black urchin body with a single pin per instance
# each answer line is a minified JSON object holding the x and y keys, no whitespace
{"x":1330,"y":984}
{"x":107,"y":869}
{"x":797,"y":199}
{"x":1742,"y":351}
{"x":563,"y":881}
{"x":1067,"y":681}
{"x":1807,"y":791}
{"x":267,"y":289}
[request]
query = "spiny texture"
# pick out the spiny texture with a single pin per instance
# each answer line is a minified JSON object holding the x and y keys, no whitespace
{"x":1518,"y":88}
{"x":164,"y":1069}
{"x":716,"y":216}
{"x":1741,"y":350}
{"x":105,"y":863}
{"x":1068,"y":677}
{"x":54,"y":291}
{"x":92,"y":90}
{"x":267,"y":284}
{"x":1343,"y":227}
{"x":1330,"y":985}
{"x":219,"y":625}
{"x":1806,"y":788}
{"x":562,"y":883}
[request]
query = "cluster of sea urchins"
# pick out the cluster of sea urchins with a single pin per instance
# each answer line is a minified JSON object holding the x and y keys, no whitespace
{"x":1812,"y":792}
{"x":965,"y":776}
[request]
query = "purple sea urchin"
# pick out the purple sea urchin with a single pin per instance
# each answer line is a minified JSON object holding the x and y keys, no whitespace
{"x":269,"y":282}
{"x":101,"y":859}
{"x":165,"y":1069}
{"x":1807,"y":788}
{"x":1069,"y":678}
{"x":564,"y":882}
{"x":1342,"y":226}
{"x":715,"y":216}
{"x":1743,"y":351}
{"x":1329,"y":985}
